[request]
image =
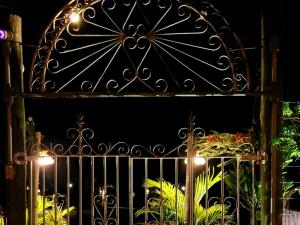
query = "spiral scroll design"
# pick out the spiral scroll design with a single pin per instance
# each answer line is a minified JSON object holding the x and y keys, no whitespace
{"x":105,"y":202}
{"x":82,"y":143}
{"x":165,"y":46}
{"x":228,"y":204}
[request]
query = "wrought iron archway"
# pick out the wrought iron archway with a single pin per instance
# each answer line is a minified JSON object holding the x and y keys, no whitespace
{"x":145,"y":46}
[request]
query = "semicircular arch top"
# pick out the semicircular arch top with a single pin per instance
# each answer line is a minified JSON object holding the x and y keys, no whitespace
{"x":138,"y":46}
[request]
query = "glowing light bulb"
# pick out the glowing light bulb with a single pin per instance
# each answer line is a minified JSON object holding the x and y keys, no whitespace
{"x":199,"y":160}
{"x":74,"y":17}
{"x":45,"y":160}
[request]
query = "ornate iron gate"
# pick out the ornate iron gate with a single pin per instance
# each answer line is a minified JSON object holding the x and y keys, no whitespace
{"x":143,"y":48}
{"x":123,"y":184}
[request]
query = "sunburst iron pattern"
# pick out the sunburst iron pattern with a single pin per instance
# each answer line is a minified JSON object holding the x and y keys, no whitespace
{"x":141,"y":46}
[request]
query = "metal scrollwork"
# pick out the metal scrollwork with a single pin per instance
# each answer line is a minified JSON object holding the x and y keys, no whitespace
{"x":105,"y":206}
{"x":83,"y":144}
{"x":158,"y":46}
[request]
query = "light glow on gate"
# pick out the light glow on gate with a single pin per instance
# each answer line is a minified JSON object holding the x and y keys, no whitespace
{"x":45,"y":159}
{"x":74,"y":17}
{"x":198,"y":160}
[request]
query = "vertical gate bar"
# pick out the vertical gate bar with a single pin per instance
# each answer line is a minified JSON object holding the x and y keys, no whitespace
{"x":206,"y":191}
{"x":55,"y":190}
{"x":92,"y":189}
{"x":222,"y":188}
{"x":80,"y":152}
{"x":31,"y":193}
{"x":68,"y":190}
{"x":192,"y":189}
{"x":253,"y":192}
{"x":104,"y":194}
{"x":43,"y":190}
{"x":176,"y":192}
{"x":118,"y":189}
{"x":238,"y":190}
{"x":130,"y":189}
{"x":146,"y":192}
{"x":161,"y":174}
{"x":80,"y":190}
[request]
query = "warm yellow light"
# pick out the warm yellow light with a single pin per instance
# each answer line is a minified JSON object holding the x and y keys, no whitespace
{"x":45,"y":159}
{"x":199,"y":160}
{"x":74,"y":17}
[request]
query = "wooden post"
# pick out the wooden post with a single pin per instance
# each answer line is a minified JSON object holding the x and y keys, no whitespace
{"x":265,"y":142}
{"x":15,"y":208}
{"x":276,"y":200}
{"x":270,"y":118}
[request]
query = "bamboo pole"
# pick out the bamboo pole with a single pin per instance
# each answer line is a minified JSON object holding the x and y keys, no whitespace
{"x":15,"y":208}
{"x":276,"y":210}
{"x":265,"y":130}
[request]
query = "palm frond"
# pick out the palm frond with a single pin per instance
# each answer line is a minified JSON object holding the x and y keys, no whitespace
{"x":165,"y":200}
{"x":170,"y":195}
{"x":204,"y":183}
{"x":213,"y":214}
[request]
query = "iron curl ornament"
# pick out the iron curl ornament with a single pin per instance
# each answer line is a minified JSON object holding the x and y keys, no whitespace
{"x":139,"y":46}
{"x":81,"y":143}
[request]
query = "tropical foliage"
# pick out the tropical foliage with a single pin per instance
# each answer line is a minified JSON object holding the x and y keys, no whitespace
{"x":166,"y":202}
{"x":217,"y":144}
{"x":288,"y":144}
{"x":49,"y":213}
{"x":249,"y":189}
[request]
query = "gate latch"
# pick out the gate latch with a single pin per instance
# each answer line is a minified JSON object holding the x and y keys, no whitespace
{"x":259,"y":158}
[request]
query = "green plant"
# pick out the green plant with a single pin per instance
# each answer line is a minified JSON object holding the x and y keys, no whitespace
{"x":288,"y":144}
{"x":49,"y":213}
{"x":249,"y":195}
{"x":217,"y":144}
{"x":164,"y":196}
